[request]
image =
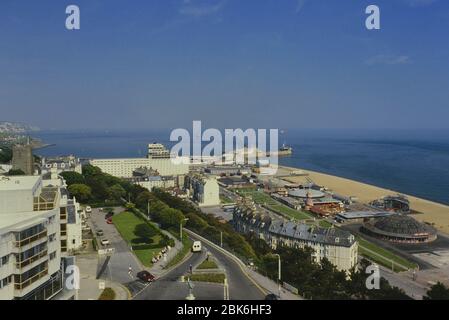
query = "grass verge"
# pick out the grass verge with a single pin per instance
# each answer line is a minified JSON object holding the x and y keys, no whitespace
{"x":107,"y":294}
{"x":208,"y":277}
{"x":208,"y":264}
{"x":383,"y":256}
{"x":186,"y":245}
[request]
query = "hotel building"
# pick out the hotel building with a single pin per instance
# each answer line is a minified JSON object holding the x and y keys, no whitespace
{"x":158,"y":159}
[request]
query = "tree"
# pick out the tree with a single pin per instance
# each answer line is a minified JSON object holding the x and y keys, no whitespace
{"x":71,"y":177}
{"x":116,"y":192}
{"x":5,"y":154}
{"x":437,"y":292}
{"x":145,"y":233}
{"x":170,"y":217}
{"x":16,"y":172}
{"x":90,"y":170}
{"x":81,"y":191}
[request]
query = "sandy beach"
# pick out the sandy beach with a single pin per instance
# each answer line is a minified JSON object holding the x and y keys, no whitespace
{"x":432,"y":212}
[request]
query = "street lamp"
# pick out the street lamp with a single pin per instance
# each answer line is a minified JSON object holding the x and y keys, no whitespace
{"x":180,"y":228}
{"x":279,"y":273}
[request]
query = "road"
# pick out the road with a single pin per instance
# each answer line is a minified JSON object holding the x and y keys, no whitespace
{"x":401,"y":280}
{"x":168,"y":287}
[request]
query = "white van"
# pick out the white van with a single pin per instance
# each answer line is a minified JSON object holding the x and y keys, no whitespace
{"x":88,"y":209}
{"x":196,"y":246}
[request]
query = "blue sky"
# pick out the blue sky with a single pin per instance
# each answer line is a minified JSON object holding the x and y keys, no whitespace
{"x":230,"y":63}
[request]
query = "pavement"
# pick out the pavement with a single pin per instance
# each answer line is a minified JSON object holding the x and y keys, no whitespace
{"x":90,"y":285}
{"x":404,"y":280}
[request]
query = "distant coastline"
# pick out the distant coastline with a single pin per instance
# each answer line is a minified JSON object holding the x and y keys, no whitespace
{"x":414,"y":164}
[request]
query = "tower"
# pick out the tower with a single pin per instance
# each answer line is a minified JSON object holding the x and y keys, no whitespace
{"x":22,"y":158}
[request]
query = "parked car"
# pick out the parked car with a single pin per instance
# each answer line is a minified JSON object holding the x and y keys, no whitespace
{"x":88,"y":209}
{"x":109,"y":221}
{"x":105,"y":242}
{"x":271,"y":296}
{"x":146,"y":276}
{"x":100,"y":233}
{"x":108,"y":215}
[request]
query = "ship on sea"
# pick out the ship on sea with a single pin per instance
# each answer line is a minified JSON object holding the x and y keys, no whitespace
{"x":285,"y":150}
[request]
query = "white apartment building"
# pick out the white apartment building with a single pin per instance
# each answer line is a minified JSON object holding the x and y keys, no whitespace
{"x":124,"y":168}
{"x":158,"y":151}
{"x":30,"y":251}
{"x":69,"y":214}
{"x":204,"y":190}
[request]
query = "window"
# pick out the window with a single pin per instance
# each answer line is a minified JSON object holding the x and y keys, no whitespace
{"x":52,"y":255}
{"x":4,"y":260}
{"x":52,"y":237}
{"x":51,"y":219}
{"x":4,"y":282}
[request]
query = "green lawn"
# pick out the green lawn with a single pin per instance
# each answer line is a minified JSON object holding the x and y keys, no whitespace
{"x":325,"y":224}
{"x":385,"y":255}
{"x":207,"y":277}
{"x":208,"y":264}
{"x":127,"y":223}
{"x":262,"y":198}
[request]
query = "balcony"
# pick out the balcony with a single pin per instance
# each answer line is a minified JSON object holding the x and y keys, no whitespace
{"x":33,"y":279}
{"x":24,"y":242}
{"x":24,"y":263}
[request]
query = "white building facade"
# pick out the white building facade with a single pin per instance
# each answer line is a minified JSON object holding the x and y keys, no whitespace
{"x":205,"y":190}
{"x":124,"y":168}
{"x":30,"y":252}
{"x":337,"y":246}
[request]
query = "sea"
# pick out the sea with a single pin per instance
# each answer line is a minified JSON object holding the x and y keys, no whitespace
{"x":414,"y":162}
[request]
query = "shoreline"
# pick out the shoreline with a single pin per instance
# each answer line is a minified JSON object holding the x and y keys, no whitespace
{"x":429,"y":211}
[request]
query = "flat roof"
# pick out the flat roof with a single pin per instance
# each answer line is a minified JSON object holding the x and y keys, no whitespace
{"x":304,"y":193}
{"x":17,"y":221}
{"x":16,"y":183}
{"x":364,"y":214}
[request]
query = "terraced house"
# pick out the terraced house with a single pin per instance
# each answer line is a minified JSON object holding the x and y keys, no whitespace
{"x":338,"y":246}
